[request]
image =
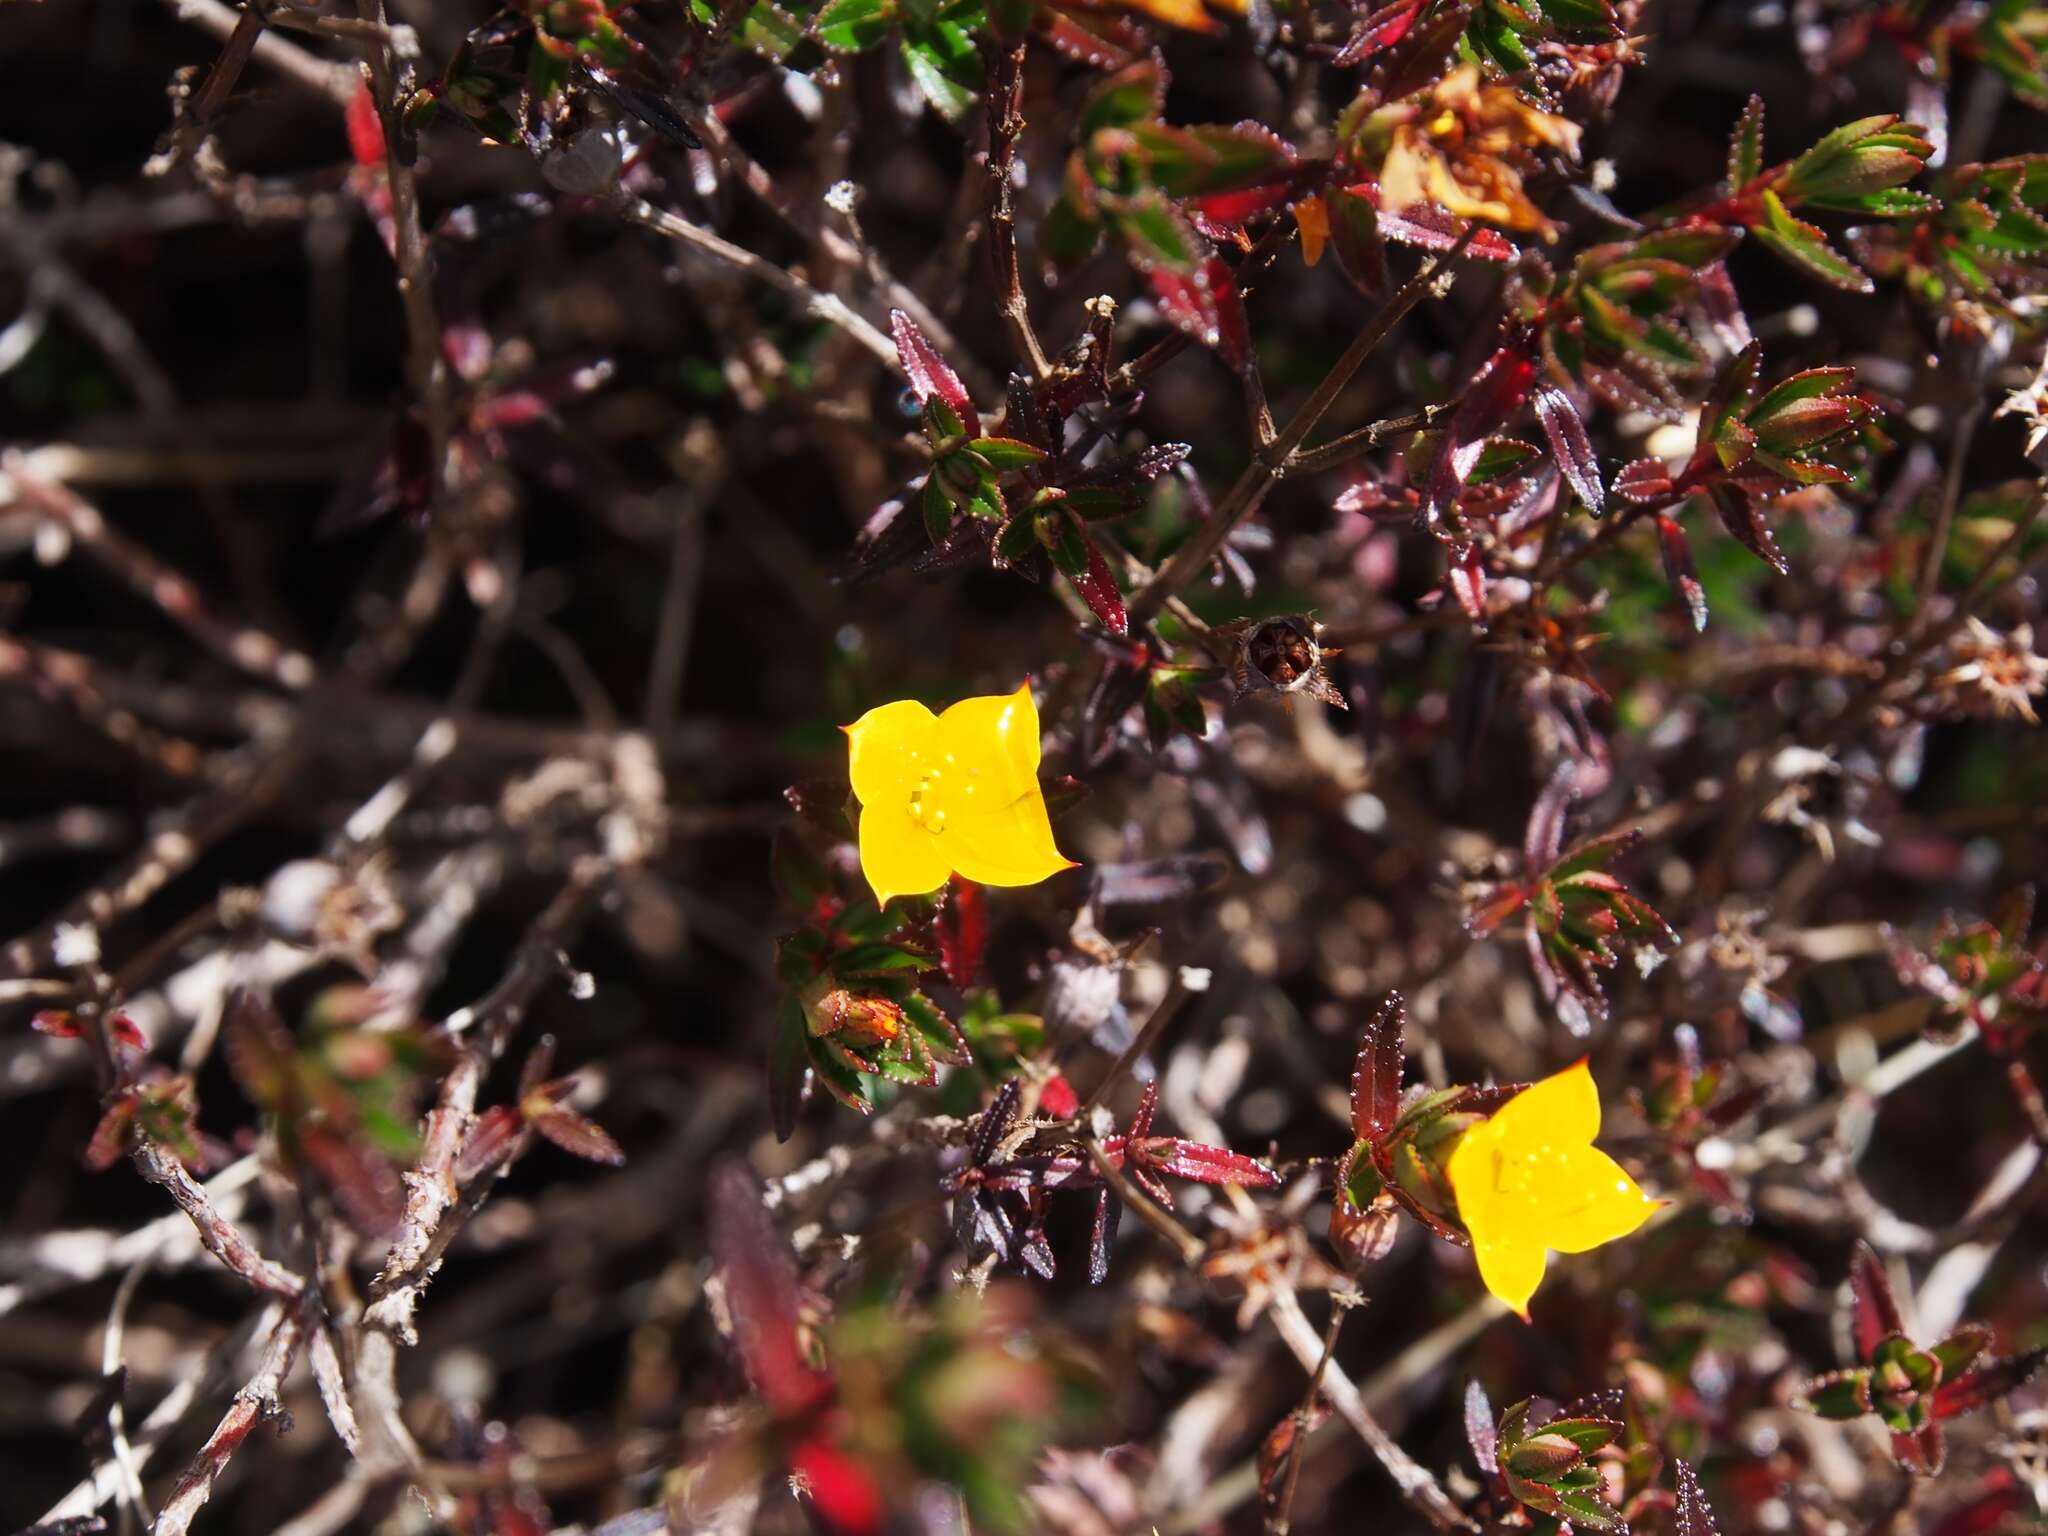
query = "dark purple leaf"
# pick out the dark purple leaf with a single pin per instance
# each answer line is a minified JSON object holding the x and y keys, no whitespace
{"x":1479,"y":1428}
{"x":1570,"y":445}
{"x":1695,"y":1517}
{"x":1376,"y":1076}
{"x":995,"y":1120}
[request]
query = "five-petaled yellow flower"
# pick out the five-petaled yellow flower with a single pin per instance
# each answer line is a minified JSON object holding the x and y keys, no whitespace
{"x":951,"y":793}
{"x":1529,"y":1179}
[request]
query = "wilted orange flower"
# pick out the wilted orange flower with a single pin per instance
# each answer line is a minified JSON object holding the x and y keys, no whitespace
{"x":1312,"y":216}
{"x":1182,"y":13}
{"x":1458,"y":146}
{"x":954,"y":793}
{"x":1529,"y":1179}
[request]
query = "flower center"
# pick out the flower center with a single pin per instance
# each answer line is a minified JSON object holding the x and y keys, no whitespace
{"x":933,"y":792}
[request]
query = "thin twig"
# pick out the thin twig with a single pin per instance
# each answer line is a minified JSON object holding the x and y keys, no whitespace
{"x":1005,"y":125}
{"x":257,"y":1401}
{"x":1275,"y":460}
{"x":260,"y":654}
{"x":1190,"y":1247}
{"x":810,"y":301}
{"x":1418,"y":1486}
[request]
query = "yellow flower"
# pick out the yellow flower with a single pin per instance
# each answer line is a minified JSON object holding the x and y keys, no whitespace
{"x":1530,"y":1179}
{"x":955,"y":793}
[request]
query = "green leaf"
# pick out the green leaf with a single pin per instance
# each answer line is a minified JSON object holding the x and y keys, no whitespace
{"x":1007,"y":452}
{"x":787,"y":1062}
{"x":937,"y":507}
{"x":1068,"y":237}
{"x":1692,"y":246}
{"x":770,"y":31}
{"x":1543,"y":1457}
{"x":1588,"y":1434}
{"x":1804,"y":246}
{"x":1159,"y":235}
{"x":948,"y":77}
{"x":1804,"y":385}
{"x":851,"y":25}
{"x":1746,"y":152}
{"x":1192,"y":162}
{"x":879,"y":960}
{"x":1127,"y":97}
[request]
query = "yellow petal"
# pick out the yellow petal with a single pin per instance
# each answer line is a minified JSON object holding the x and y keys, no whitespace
{"x":1529,"y":1180}
{"x":898,"y":855}
{"x":995,"y":735}
{"x":1510,"y":1265}
{"x":1005,"y":844}
{"x":1595,"y":1202}
{"x":888,"y":748}
{"x":1562,"y":1110}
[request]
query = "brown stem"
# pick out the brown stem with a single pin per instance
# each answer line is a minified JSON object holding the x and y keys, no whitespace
{"x":1005,"y":124}
{"x":257,"y":1401}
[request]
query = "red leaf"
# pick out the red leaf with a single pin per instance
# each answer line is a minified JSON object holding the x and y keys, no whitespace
{"x":1056,"y":1097}
{"x":57,"y":1023}
{"x":1382,"y":29}
{"x":1430,"y":228}
{"x":1467,"y":575}
{"x":1543,"y":838}
{"x":1226,"y":210}
{"x":489,"y":1143}
{"x":963,"y":929}
{"x":1205,"y":304}
{"x":127,"y":1032}
{"x":1234,"y":339}
{"x":1742,"y":514}
{"x":1679,"y":567}
{"x":761,"y":1294}
{"x":1494,"y":394}
{"x":1200,"y":1162}
{"x":110,"y":1136}
{"x":1570,"y":445}
{"x":1987,"y":1383}
{"x":365,"y":132}
{"x":1376,"y":1077}
{"x":1924,"y":1451}
{"x":1724,"y":309}
{"x":929,"y":373}
{"x":1148,"y":1106}
{"x":1643,"y":482}
{"x":577,"y":1136}
{"x":840,"y":1488}
{"x":1099,"y":590}
{"x":1877,"y":1310}
{"x":364,"y":1185}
